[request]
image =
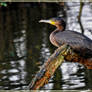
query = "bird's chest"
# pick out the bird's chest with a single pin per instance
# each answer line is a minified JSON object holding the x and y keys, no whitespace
{"x":53,"y":40}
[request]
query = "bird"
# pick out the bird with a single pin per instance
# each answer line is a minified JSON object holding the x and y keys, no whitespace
{"x":80,"y":43}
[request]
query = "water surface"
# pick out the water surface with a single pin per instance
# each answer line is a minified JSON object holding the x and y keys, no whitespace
{"x":25,"y":45}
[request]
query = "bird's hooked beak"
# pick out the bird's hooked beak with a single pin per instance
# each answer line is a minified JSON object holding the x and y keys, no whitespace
{"x":48,"y":21}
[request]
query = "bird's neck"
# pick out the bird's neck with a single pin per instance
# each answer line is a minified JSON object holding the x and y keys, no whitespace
{"x":61,"y":28}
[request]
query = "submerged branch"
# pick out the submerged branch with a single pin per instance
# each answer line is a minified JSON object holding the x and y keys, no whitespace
{"x":50,"y":66}
{"x":79,"y":17}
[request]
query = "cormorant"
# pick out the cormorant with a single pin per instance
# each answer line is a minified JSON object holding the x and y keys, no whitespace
{"x":79,"y":42}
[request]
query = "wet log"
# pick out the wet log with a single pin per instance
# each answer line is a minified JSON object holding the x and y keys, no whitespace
{"x":74,"y":57}
{"x":49,"y":67}
{"x":62,"y":53}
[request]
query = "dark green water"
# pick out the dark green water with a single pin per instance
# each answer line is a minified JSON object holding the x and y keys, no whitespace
{"x":25,"y":45}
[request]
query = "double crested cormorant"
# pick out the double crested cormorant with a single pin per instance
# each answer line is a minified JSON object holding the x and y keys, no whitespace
{"x":79,"y":42}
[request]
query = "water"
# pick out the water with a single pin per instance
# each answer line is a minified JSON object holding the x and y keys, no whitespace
{"x":25,"y":45}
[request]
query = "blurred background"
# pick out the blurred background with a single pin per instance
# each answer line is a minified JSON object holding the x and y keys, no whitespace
{"x":25,"y":45}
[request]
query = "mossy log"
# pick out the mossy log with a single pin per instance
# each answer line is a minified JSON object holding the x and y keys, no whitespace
{"x":47,"y":70}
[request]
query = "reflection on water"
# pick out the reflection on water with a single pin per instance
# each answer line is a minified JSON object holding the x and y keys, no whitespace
{"x":20,"y":44}
{"x":25,"y":45}
{"x":86,"y":18}
{"x":69,"y":76}
{"x":45,"y":52}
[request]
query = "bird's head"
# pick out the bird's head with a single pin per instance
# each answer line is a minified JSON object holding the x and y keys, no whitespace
{"x":58,"y":22}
